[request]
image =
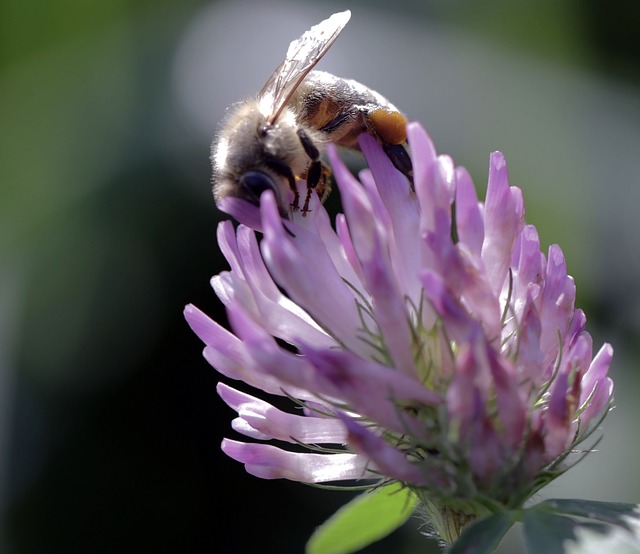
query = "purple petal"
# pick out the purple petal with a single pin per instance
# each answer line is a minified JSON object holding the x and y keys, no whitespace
{"x":579,"y":355}
{"x":364,"y":227}
{"x":534,"y":456}
{"x":400,"y":204}
{"x":387,"y":459}
{"x":485,"y":451}
{"x":528,"y":271}
{"x":368,"y":185}
{"x":557,"y":418}
{"x":342,"y":230}
{"x":226,"y":237}
{"x":390,"y":313}
{"x":242,"y":211}
{"x":464,"y":402}
{"x":394,"y":188}
{"x":370,"y":241}
{"x":576,"y":362}
{"x":502,"y":221}
{"x":531,"y":263}
{"x":459,"y":325}
{"x":270,"y":423}
{"x":277,"y":313}
{"x":469,"y":218}
{"x":373,"y":390}
{"x":468,"y":417}
{"x":557,"y":303}
{"x":262,"y":352}
{"x":255,"y":348}
{"x":512,"y":409}
{"x":601,"y":400}
{"x":529,"y":355}
{"x":207,"y":330}
{"x":597,"y":370}
{"x":466,"y":280}
{"x":596,"y":377}
{"x":269,"y":462}
{"x":433,"y":177}
{"x":229,"y":355}
{"x":577,"y":326}
{"x":334,"y":245}
{"x":242,"y":368}
{"x":424,"y":156}
{"x":228,"y":286}
{"x":304,"y":269}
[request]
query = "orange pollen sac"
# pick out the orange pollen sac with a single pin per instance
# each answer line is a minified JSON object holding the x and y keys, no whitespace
{"x":390,"y":127}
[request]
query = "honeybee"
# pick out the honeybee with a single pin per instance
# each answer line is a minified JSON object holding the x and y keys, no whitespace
{"x":278,"y":137}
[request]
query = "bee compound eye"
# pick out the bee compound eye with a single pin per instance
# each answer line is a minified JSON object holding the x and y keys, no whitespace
{"x":254,"y":183}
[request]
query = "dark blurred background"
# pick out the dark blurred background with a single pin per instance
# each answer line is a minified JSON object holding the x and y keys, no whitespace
{"x":109,"y":421}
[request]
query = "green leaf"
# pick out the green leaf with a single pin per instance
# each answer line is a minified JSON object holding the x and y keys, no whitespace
{"x":610,"y":527}
{"x":366,"y":519}
{"x":484,"y":536}
{"x":621,"y":514}
{"x":547,"y":532}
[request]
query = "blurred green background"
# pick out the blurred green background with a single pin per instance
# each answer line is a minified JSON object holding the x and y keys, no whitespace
{"x":109,"y":422}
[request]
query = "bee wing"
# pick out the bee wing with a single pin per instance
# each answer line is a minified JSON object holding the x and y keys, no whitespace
{"x":303,"y":54}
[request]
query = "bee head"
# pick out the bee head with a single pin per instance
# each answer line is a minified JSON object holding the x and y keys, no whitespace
{"x":252,"y":184}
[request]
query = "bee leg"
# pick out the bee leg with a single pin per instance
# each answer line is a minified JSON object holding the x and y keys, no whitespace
{"x":400,"y":159}
{"x":324,"y":187}
{"x":315,"y":172}
{"x":314,"y":178}
{"x":283,"y":169}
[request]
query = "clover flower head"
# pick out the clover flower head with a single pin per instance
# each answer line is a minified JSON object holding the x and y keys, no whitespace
{"x":425,"y":338}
